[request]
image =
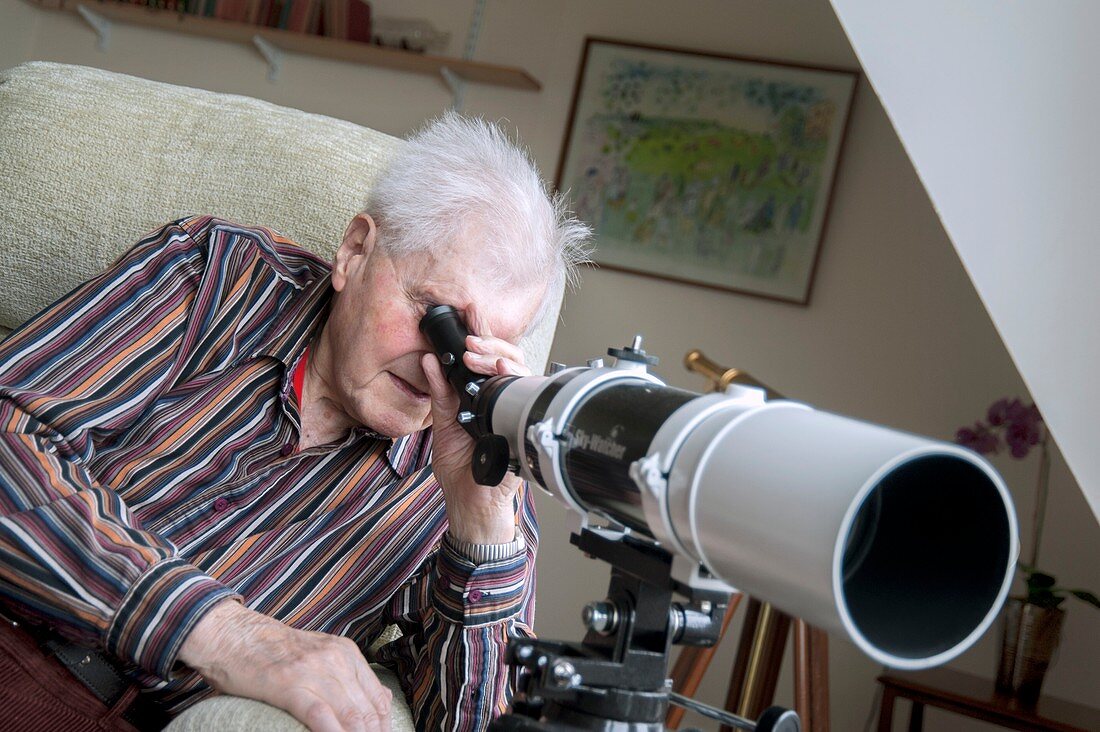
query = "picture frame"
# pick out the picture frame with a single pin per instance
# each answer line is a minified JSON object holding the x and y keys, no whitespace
{"x":705,"y":169}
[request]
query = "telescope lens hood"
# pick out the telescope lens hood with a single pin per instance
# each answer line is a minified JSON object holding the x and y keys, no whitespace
{"x":926,"y":556}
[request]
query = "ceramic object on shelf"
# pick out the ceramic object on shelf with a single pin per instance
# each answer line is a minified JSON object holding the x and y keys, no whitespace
{"x":412,"y":34}
{"x":1031,"y":635}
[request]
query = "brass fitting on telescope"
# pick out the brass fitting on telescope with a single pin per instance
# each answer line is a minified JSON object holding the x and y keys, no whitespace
{"x":720,"y":377}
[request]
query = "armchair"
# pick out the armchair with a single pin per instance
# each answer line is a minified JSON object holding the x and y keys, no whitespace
{"x":90,"y":160}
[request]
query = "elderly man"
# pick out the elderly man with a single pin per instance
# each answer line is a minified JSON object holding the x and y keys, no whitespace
{"x":214,"y":460}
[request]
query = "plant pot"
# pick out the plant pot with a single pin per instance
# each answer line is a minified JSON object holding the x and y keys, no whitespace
{"x":1030,"y":637}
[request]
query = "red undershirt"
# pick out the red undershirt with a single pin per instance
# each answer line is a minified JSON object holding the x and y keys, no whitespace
{"x":298,"y":378}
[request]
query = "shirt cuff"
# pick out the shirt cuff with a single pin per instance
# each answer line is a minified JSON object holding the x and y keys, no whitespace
{"x":474,"y":594}
{"x":484,"y":553}
{"x":158,"y":613}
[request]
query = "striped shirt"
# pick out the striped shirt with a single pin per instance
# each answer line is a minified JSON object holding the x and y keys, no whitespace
{"x":148,"y":469}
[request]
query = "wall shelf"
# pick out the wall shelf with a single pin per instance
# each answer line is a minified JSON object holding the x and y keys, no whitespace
{"x":283,"y":40}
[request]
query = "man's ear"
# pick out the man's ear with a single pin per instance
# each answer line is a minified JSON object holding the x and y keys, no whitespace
{"x":358,"y":244}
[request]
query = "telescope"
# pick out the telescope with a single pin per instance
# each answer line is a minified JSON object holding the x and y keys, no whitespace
{"x":902,"y":544}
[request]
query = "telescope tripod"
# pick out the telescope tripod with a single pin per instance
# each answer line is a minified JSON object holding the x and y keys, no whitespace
{"x":615,"y":680}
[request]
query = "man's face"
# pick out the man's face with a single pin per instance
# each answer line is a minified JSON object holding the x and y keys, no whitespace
{"x":373,"y":329}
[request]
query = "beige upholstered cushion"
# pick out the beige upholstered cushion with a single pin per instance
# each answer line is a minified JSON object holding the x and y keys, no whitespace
{"x":90,"y":160}
{"x":234,"y":714}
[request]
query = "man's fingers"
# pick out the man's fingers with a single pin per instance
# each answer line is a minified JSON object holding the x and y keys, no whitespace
{"x":488,"y":345}
{"x":360,"y":712}
{"x":480,"y":363}
{"x":317,"y":715}
{"x":362,"y":719}
{"x":494,"y":365}
{"x":441,"y":392}
{"x":352,"y":697}
{"x":383,"y":697}
{"x":348,"y":710}
{"x":506,"y":367}
{"x":375,"y":717}
{"x":352,"y":689}
{"x":379,"y":695}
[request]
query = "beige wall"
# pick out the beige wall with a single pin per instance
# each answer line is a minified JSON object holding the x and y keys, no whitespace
{"x":17,"y":31}
{"x":894,"y":332}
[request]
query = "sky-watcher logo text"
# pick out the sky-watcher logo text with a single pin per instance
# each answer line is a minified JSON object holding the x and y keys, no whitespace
{"x":581,"y":440}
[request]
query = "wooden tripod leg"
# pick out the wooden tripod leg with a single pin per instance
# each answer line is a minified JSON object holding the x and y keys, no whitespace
{"x":744,"y":653}
{"x":769,"y":643}
{"x":802,"y":674}
{"x":811,"y":677}
{"x":756,"y":667}
{"x":688,"y":671}
{"x":756,"y":673}
{"x":819,"y":674}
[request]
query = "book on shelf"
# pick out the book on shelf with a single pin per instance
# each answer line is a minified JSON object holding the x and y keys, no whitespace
{"x":305,"y":16}
{"x":342,"y":19}
{"x":334,"y":18}
{"x":358,"y":21}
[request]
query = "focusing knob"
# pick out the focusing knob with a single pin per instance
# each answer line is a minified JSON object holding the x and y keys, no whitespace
{"x":633,"y":352}
{"x":490,"y":460}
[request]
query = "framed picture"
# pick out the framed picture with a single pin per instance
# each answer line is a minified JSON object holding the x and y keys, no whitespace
{"x":705,"y":169}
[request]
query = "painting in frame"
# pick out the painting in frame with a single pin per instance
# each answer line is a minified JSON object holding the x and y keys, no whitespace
{"x":706,"y":169}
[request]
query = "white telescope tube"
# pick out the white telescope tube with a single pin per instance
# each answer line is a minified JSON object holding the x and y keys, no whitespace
{"x":904,"y":544}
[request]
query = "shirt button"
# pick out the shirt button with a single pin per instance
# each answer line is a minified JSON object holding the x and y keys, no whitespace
{"x":475,"y":595}
{"x":286,"y":449}
{"x":221,"y":504}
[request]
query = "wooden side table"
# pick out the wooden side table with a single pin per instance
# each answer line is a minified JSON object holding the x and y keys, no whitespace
{"x":975,"y":697}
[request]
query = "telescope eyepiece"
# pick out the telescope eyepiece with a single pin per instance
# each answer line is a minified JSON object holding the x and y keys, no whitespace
{"x":445,"y":330}
{"x":443,"y":327}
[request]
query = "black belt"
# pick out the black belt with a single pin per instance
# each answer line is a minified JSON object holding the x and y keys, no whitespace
{"x":102,"y":677}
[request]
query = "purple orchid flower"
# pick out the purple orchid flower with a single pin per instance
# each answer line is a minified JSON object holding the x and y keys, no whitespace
{"x":1010,"y":424}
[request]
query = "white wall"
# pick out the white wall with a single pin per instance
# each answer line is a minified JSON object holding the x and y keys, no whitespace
{"x":1009,"y":156}
{"x":894,"y":332}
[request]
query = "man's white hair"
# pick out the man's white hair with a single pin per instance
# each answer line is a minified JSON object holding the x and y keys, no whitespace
{"x":459,"y":179}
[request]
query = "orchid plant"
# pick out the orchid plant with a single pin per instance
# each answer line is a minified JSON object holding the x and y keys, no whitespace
{"x":1019,"y":428}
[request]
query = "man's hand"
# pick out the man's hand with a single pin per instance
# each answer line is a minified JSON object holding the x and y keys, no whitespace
{"x":476,"y":513}
{"x":322,"y":680}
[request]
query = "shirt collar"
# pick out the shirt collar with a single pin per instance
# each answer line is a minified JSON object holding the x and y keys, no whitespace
{"x":410,"y":453}
{"x":295,"y":325}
